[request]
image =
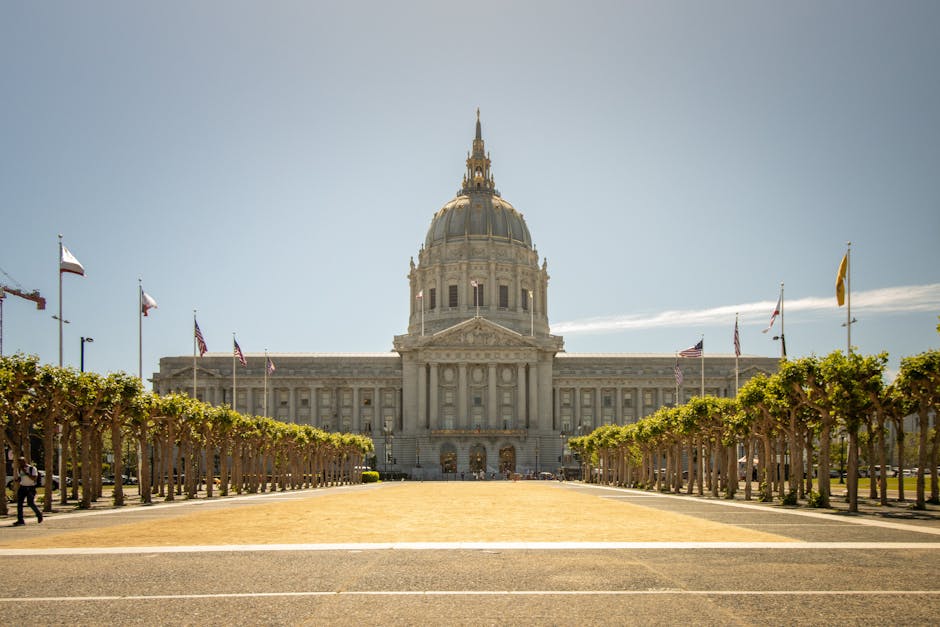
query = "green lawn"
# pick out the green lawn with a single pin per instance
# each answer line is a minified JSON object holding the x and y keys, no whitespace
{"x":864,"y":483}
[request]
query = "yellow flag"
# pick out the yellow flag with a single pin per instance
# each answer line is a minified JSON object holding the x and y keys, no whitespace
{"x":840,"y":280}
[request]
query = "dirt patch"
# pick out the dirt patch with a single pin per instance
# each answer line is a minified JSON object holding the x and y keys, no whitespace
{"x":413,"y":512}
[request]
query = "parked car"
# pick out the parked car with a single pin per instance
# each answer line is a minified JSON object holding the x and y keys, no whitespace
{"x":42,"y":481}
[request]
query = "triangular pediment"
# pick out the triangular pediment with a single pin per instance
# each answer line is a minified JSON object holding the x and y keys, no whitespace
{"x":200,"y":373}
{"x":478,"y":333}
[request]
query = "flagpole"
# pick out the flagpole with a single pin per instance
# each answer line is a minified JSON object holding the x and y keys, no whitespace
{"x":783,"y":339}
{"x":63,"y":495}
{"x":848,"y":299}
{"x":60,"y":302}
{"x":703,"y":365}
{"x":194,"y":353}
{"x":422,"y":318}
{"x":737,"y":352}
{"x":140,"y":331}
{"x":676,"y":397}
{"x":531,"y":313}
{"x":234,"y":375}
{"x":265,"y":383}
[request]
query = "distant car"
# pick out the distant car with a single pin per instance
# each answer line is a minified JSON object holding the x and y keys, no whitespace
{"x":42,"y":481}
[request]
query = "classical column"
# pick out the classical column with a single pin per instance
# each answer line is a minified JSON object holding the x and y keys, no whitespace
{"x":354,"y":419}
{"x":409,"y":394}
{"x":376,"y":408}
{"x":314,"y":404}
{"x":492,"y":419}
{"x":462,"y":413}
{"x":249,"y":399}
{"x":534,"y":422}
{"x":519,"y":422}
{"x":576,"y":401}
{"x":422,"y":416}
{"x":598,"y":407}
{"x":546,"y":418}
{"x":292,"y":404}
{"x":433,"y":418}
{"x":618,"y":401}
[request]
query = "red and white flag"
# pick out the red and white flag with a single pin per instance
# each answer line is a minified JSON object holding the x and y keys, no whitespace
{"x":68,"y":263}
{"x":146,"y":302}
{"x":774,"y":315}
{"x":270,"y":366}
{"x":737,"y":339}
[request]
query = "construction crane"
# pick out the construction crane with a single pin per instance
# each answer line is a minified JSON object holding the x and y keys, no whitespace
{"x":16,"y":291}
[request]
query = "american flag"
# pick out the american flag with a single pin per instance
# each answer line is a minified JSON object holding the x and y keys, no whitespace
{"x":270,"y":366}
{"x":678,"y":373}
{"x":200,"y":341}
{"x":473,"y":283}
{"x":420,"y":294}
{"x":240,"y":354}
{"x":694,"y":351}
{"x":737,"y":340}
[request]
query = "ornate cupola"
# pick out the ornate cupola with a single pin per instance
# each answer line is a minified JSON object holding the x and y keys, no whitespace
{"x":478,"y":177}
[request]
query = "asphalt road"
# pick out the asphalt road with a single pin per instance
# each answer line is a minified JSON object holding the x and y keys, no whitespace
{"x":843,"y":570}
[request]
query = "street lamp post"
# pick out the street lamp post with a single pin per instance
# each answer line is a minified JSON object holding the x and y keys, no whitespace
{"x":82,"y":362}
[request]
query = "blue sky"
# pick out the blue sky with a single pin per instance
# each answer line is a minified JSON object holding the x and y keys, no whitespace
{"x":275,"y":166}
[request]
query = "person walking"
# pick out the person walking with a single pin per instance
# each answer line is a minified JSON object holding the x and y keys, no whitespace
{"x":28,"y":479}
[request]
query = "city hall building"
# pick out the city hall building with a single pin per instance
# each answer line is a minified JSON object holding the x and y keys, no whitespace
{"x":478,"y":383}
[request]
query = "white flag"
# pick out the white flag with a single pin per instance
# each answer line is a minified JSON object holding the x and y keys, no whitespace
{"x":68,"y":263}
{"x":146,"y":302}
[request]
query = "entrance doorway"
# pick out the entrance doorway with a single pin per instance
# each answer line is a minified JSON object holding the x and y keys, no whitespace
{"x":477,"y":458}
{"x":507,"y":459}
{"x":448,"y":459}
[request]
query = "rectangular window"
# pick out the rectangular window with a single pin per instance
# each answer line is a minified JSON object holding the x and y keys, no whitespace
{"x":608,"y":400}
{"x":648,"y":398}
{"x":525,"y":300}
{"x":432,"y":298}
{"x":478,"y":295}
{"x":452,"y":296}
{"x":628,"y":399}
{"x":504,"y":297}
{"x":477,"y":400}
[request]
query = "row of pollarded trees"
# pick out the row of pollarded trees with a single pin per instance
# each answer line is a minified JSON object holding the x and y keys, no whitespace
{"x":788,"y":421}
{"x":181,"y":440}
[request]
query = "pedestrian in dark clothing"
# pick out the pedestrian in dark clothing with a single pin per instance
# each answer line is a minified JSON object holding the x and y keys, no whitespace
{"x":28,"y":480}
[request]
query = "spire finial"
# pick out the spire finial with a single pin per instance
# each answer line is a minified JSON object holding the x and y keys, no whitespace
{"x":479,"y":129}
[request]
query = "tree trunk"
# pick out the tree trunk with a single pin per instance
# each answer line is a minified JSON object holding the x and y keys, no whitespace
{"x":823,"y":474}
{"x":144,"y":479}
{"x":881,"y":434}
{"x":117,"y":444}
{"x":922,"y":459}
{"x":87,"y":488}
{"x":852,"y":479}
{"x":748,"y":466}
{"x":899,"y":437}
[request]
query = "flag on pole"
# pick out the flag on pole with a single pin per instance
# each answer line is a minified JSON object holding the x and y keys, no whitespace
{"x":737,"y":339}
{"x":774,"y":315}
{"x":473,"y":283}
{"x":68,"y":263}
{"x":146,"y":302}
{"x":240,"y":354}
{"x":678,"y":375}
{"x":840,"y":280}
{"x":200,"y":341}
{"x":270,"y":366}
{"x":693,"y":351}
{"x":420,"y":294}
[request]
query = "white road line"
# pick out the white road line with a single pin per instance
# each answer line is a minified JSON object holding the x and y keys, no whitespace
{"x":763,"y":508}
{"x":466,"y":593}
{"x":480,"y":546}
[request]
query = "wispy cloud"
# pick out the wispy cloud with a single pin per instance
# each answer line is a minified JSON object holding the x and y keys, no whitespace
{"x":911,"y":298}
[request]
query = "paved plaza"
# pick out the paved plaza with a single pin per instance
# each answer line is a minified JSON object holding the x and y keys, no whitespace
{"x":491,"y":553}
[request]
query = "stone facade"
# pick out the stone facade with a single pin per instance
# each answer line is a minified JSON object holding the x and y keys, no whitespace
{"x":478,"y":383}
